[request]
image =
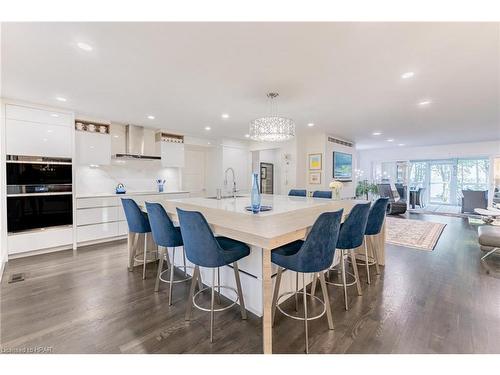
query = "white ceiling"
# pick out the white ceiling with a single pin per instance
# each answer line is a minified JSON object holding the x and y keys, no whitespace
{"x":344,"y":77}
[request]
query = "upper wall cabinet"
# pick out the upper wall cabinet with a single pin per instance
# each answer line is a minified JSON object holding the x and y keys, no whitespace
{"x":93,"y":148}
{"x":36,"y":132}
{"x":172,"y":154}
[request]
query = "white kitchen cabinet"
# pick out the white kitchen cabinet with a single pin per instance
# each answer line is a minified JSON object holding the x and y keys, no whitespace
{"x":97,"y":215}
{"x":97,"y":202}
{"x":40,"y":239}
{"x":93,"y":148}
{"x":96,"y":231}
{"x":36,"y":139}
{"x":41,"y":116}
{"x":172,"y":154}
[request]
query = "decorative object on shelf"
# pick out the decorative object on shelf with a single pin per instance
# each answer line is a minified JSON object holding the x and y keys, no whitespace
{"x":315,"y":178}
{"x":256,"y":198}
{"x":262,"y":208}
{"x":315,"y":162}
{"x":161,"y":184}
{"x":336,"y":187}
{"x":272,"y":128}
{"x":167,"y":137}
{"x":342,"y":166}
{"x":120,"y":189}
{"x":92,"y":127}
{"x":366,"y":188}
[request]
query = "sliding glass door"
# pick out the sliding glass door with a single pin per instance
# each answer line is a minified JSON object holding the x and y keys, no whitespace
{"x":442,"y":182}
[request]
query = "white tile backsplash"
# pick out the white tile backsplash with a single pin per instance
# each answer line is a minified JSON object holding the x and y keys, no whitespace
{"x":135,"y":175}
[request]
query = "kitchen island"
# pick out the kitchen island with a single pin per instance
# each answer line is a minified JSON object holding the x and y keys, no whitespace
{"x":290,"y":219}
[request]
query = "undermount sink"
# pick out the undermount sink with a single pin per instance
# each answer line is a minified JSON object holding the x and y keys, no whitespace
{"x":227,"y":197}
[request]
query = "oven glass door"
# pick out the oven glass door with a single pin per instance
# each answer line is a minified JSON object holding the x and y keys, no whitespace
{"x":38,"y":174}
{"x":38,"y":211}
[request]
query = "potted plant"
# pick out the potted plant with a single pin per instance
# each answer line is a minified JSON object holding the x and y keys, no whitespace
{"x":366,"y":188}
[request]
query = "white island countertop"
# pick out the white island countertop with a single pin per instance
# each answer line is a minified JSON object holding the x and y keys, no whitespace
{"x":290,"y":218}
{"x":129,"y":194}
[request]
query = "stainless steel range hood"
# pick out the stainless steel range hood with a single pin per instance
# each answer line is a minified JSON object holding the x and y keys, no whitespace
{"x":135,"y":145}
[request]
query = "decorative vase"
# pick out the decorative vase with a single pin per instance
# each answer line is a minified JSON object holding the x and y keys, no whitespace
{"x":336,"y":194}
{"x":256,"y":198}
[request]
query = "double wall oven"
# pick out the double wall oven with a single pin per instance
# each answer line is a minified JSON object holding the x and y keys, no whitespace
{"x":39,"y":193}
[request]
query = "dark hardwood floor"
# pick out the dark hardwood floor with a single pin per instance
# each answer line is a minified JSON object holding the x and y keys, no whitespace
{"x":444,"y":301}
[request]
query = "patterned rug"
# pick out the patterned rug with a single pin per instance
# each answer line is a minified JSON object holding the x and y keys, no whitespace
{"x":416,"y":234}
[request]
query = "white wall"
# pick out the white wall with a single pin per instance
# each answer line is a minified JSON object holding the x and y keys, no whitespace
{"x":457,"y":150}
{"x":3,"y":208}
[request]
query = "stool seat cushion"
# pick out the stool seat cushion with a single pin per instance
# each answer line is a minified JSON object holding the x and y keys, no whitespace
{"x":489,"y":236}
{"x":282,"y":255}
{"x":232,"y":250}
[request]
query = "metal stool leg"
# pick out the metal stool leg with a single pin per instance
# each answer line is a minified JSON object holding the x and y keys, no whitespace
{"x":342,"y":266}
{"x":305,"y":312}
{"x":296,"y":291}
{"x":132,"y":243}
{"x":275,"y":294}
{"x":184,"y":256}
{"x":328,"y":308}
{"x":490,"y":252}
{"x":218,"y":285}
{"x":145,"y":255}
{"x":375,"y":254}
{"x":240,"y":291}
{"x":160,"y":268}
{"x":189,"y":307}
{"x":356,"y":273}
{"x":313,"y":285}
{"x":366,"y":261}
{"x":171,"y":284}
{"x":212,"y":307}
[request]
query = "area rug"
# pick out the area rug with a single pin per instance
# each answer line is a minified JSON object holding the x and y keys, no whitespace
{"x":417,"y":234}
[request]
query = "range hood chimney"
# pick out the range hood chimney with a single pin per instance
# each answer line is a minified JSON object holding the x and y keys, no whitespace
{"x":135,"y":145}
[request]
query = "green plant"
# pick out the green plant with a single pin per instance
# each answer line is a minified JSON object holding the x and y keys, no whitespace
{"x":364,"y":188}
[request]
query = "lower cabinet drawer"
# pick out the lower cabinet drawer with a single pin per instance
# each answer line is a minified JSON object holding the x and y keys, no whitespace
{"x":96,"y":231}
{"x":122,"y":228}
{"x":39,"y":240}
{"x":96,"y":215}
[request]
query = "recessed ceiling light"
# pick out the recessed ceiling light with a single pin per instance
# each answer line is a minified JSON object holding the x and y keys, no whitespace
{"x":115,"y":136}
{"x":407,"y":75}
{"x":423,"y":103}
{"x":401,"y":144}
{"x":85,"y":46}
{"x":151,"y":117}
{"x":61,"y":99}
{"x":390,"y":140}
{"x":224,"y":115}
{"x":376,"y":133}
{"x":54,"y":115}
{"x":310,"y":124}
{"x":207,"y":128}
{"x":247,"y":135}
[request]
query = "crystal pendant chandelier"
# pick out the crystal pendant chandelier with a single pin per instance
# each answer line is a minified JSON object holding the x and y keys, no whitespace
{"x":272,"y":128}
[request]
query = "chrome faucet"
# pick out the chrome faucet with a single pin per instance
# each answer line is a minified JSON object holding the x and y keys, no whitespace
{"x":234,"y":180}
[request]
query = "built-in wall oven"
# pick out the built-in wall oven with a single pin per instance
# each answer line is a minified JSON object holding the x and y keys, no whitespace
{"x":39,"y":192}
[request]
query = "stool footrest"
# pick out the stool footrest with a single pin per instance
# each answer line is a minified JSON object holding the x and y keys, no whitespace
{"x":298,"y":317}
{"x":216,"y":287}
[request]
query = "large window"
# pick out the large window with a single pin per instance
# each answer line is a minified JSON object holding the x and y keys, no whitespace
{"x":472,"y":174}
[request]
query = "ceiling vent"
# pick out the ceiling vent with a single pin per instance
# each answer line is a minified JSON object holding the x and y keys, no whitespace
{"x":340,"y":142}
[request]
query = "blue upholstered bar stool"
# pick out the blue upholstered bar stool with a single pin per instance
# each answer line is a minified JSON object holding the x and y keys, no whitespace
{"x":314,"y":255}
{"x":351,"y":236}
{"x":297,"y":193}
{"x":376,"y":217}
{"x":165,"y":235}
{"x":322,"y":194}
{"x":138,"y":223}
{"x":203,"y":249}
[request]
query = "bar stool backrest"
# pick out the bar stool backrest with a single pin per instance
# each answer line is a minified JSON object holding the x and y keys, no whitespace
{"x":200,"y":244}
{"x":297,"y":193}
{"x":164,"y":232}
{"x":352,"y":230}
{"x":322,"y":194}
{"x":136,"y":219}
{"x":376,"y":216}
{"x":316,"y":254}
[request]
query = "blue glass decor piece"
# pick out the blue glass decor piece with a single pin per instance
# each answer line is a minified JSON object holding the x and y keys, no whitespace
{"x":256,"y":198}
